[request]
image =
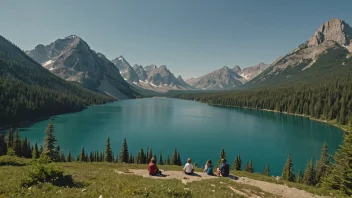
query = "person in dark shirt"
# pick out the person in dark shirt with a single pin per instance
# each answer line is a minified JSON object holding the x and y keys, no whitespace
{"x":224,"y":169}
{"x":153,"y":169}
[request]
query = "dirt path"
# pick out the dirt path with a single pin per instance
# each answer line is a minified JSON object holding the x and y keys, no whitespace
{"x":174,"y":175}
{"x":277,"y":189}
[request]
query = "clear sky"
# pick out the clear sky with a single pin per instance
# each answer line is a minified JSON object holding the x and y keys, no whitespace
{"x":191,"y":37}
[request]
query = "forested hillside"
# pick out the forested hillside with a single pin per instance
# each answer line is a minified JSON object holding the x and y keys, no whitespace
{"x":29,"y":92}
{"x":323,"y":91}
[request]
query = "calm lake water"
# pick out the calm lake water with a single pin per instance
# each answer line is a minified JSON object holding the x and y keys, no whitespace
{"x":197,"y":130}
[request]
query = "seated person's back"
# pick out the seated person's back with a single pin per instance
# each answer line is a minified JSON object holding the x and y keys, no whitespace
{"x":225,"y":168}
{"x":152,"y":168}
{"x":189,"y":168}
{"x":209,"y":168}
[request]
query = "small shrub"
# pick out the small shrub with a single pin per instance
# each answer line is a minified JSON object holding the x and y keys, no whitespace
{"x":10,"y":152}
{"x":46,"y":173}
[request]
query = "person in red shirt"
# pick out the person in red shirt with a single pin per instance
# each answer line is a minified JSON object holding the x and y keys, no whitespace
{"x":153,"y":169}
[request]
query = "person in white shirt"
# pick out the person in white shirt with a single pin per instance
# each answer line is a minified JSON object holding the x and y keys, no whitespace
{"x":189,"y":168}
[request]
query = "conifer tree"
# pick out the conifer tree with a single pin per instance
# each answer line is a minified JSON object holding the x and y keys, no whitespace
{"x":309,"y":174}
{"x":49,"y":148}
{"x":91,"y":156}
{"x":161,"y":162}
{"x":322,"y":164}
{"x":249,"y":167}
{"x":124,"y":152}
{"x":300,"y":177}
{"x":35,"y":152}
{"x":237,"y":163}
{"x":179,"y":162}
{"x":147,"y":154}
{"x":10,"y":138}
{"x":41,"y":149}
{"x":340,"y":177}
{"x":287,"y":171}
{"x":174,"y":158}
{"x":150,"y":155}
{"x":222,"y":156}
{"x":141,"y":159}
{"x":3,"y":145}
{"x":62,"y":157}
{"x":168,"y":161}
{"x":108,"y":152}
{"x":117,"y":158}
{"x":17,"y":144}
{"x":155,"y":158}
{"x":82,"y":155}
{"x":130,"y":159}
{"x":267,"y":170}
{"x":69,"y":157}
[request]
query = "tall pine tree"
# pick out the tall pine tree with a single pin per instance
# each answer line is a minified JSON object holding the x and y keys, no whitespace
{"x":267,"y":170}
{"x":174,"y":160}
{"x":82,"y":155}
{"x":108,"y":152}
{"x":35,"y":152}
{"x":340,"y":177}
{"x":222,"y":156}
{"x":50,"y":149}
{"x":249,"y":167}
{"x":69,"y":157}
{"x":309,"y":174}
{"x":179,"y":162}
{"x":17,"y":144}
{"x":237,"y":163}
{"x":322,"y":164}
{"x":161,"y":162}
{"x":287,"y":171}
{"x":299,"y":177}
{"x":124,"y":152}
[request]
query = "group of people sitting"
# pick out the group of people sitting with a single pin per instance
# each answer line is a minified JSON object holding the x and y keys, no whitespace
{"x":222,"y":171}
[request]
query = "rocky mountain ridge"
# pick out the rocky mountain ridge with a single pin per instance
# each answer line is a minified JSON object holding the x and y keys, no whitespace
{"x":333,"y":34}
{"x":72,"y":59}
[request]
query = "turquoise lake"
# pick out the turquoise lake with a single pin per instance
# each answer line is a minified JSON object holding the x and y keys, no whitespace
{"x":197,"y":130}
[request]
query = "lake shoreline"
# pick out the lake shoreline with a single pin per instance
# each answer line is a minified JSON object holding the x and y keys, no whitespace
{"x":344,"y":128}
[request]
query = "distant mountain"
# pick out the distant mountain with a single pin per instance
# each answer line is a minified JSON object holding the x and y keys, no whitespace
{"x":149,"y":77}
{"x":141,"y":73}
{"x":72,"y":59}
{"x":184,"y":84}
{"x":30,"y":92}
{"x":250,"y":72}
{"x":126,"y":71}
{"x":224,"y":78}
{"x":333,"y":35}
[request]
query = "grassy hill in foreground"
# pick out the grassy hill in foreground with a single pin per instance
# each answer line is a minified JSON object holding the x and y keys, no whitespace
{"x":95,"y":179}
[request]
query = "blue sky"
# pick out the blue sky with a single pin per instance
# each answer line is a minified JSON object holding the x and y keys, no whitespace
{"x":191,"y":37}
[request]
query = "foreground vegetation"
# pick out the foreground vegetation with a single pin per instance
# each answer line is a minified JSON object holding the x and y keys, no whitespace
{"x":95,"y":179}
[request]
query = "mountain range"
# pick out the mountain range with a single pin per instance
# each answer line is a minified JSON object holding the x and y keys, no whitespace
{"x":333,"y":35}
{"x":227,"y":78}
{"x":72,"y":59}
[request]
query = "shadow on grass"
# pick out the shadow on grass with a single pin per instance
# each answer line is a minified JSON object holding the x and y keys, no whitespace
{"x":10,"y":163}
{"x":232,"y":177}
